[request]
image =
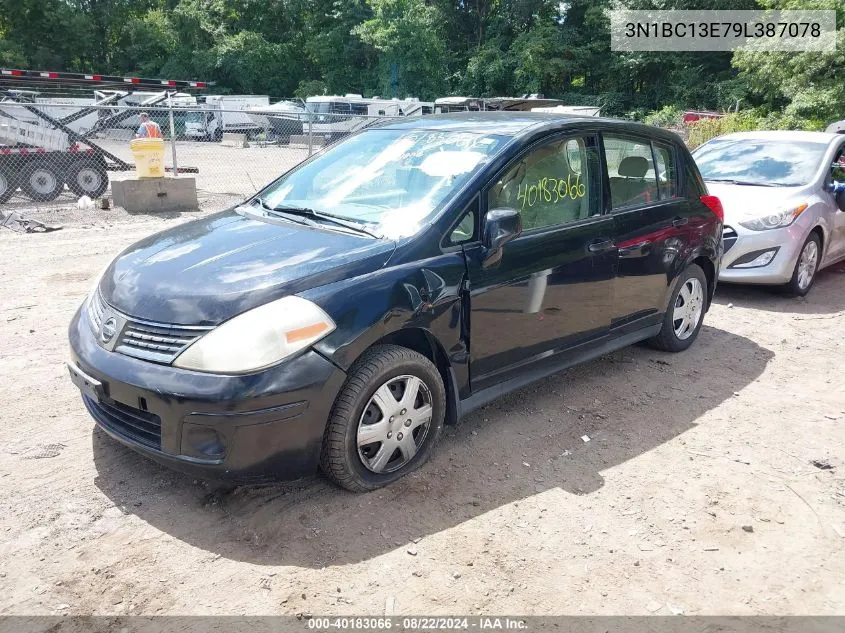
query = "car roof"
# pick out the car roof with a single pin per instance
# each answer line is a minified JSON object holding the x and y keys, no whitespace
{"x":519,"y":123}
{"x":789,"y":136}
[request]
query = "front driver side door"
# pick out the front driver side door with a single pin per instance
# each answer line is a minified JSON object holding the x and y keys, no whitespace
{"x":550,"y":293}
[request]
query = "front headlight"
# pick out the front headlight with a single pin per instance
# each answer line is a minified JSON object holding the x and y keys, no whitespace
{"x":258,"y":338}
{"x":776,"y":220}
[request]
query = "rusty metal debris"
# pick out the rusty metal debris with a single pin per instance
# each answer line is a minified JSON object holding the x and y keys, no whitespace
{"x":19,"y":224}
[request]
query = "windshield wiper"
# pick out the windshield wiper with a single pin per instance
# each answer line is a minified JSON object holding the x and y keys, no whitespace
{"x":321,"y":215}
{"x":745,"y":183}
{"x":303,"y":221}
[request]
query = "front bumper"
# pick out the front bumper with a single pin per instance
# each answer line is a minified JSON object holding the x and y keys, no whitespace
{"x":788,"y":240}
{"x":266,"y":426}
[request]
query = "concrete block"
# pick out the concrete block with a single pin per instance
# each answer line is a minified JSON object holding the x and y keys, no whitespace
{"x":302,"y":139}
{"x":155,"y":195}
{"x":231,"y":139}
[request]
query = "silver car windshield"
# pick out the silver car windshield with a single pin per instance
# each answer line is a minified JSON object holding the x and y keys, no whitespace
{"x":392,"y":180}
{"x":760,"y":162}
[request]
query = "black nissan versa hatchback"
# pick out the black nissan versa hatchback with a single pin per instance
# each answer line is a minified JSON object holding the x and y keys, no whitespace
{"x":389,"y":285}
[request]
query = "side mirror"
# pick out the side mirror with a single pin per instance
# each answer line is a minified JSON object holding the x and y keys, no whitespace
{"x":840,"y":200}
{"x":500,"y":227}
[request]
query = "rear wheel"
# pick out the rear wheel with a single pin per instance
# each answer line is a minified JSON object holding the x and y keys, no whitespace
{"x":386,"y":420}
{"x":41,"y":182}
{"x":805,"y":268}
{"x":683,"y":319}
{"x":87,"y":178}
{"x":8,"y":185}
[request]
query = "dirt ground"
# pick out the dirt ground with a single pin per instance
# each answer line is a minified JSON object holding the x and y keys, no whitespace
{"x":713,"y":481}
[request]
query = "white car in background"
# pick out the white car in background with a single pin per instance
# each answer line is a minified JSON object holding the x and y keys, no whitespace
{"x":782,"y":223}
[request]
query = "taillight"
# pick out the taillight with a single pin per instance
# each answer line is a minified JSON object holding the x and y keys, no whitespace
{"x":715,"y":205}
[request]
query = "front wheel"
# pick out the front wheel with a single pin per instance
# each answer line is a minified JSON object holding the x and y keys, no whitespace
{"x":385,"y":421}
{"x":683,"y":319}
{"x":805,"y":268}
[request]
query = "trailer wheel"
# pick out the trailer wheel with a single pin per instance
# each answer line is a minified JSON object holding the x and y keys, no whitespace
{"x":41,"y":182}
{"x":8,"y":185}
{"x":87,"y":178}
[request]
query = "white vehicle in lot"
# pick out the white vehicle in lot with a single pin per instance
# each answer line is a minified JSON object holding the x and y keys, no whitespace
{"x":782,"y":223}
{"x":333,"y":117}
{"x":223,"y":113}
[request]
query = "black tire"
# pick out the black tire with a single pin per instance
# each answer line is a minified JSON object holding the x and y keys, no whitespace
{"x":41,"y":181}
{"x":340,"y":459}
{"x":668,"y":340}
{"x":8,"y":185}
{"x":218,"y":135}
{"x":87,"y":178}
{"x":796,"y":286}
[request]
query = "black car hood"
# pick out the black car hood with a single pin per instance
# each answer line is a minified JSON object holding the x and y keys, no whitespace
{"x":209,"y":270}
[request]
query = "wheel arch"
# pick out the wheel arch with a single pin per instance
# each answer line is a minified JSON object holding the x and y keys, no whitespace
{"x":820,"y":231}
{"x":706,"y":264}
{"x":424,"y":342}
{"x":702,"y":257}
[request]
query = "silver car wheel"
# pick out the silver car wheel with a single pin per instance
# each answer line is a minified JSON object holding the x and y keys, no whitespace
{"x":689,"y":306}
{"x":394,"y":424}
{"x":807,"y":264}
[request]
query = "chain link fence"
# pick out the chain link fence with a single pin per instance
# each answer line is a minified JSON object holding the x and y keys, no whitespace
{"x":52,"y":154}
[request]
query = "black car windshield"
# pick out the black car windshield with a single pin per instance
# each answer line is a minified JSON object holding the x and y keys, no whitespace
{"x":764,"y":162}
{"x":394,"y":180}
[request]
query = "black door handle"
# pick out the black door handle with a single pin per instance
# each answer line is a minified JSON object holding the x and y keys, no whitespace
{"x":680,"y":221}
{"x":601,"y":245}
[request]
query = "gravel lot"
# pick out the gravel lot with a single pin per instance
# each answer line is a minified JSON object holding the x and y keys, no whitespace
{"x":712,"y":482}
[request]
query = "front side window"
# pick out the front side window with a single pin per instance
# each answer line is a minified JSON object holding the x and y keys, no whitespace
{"x":630,"y":169}
{"x":837,"y":168}
{"x":553,"y":185}
{"x":394,"y":181}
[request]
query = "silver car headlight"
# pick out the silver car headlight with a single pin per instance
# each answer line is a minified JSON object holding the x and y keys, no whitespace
{"x":258,"y":338}
{"x":776,"y":220}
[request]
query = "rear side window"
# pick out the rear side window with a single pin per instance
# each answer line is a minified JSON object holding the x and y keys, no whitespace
{"x":667,"y":179}
{"x":630,"y":169}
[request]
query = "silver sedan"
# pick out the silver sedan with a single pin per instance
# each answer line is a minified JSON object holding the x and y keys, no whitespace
{"x":782,"y":222}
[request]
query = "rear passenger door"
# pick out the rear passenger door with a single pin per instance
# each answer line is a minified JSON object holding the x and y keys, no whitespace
{"x":655,"y":226}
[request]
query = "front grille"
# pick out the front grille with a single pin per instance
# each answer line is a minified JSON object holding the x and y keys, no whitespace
{"x":95,"y":310}
{"x":729,"y":237}
{"x":156,"y":342}
{"x":141,"y":426}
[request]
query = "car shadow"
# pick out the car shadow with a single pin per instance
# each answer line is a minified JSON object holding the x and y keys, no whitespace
{"x":528,"y":442}
{"x":826,"y":296}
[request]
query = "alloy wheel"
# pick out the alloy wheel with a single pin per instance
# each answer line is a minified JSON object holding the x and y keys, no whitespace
{"x":394,"y":424}
{"x":807,"y":264}
{"x":689,"y":306}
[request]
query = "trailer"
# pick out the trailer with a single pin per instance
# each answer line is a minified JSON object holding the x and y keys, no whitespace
{"x":220,"y":114}
{"x":40,"y":152}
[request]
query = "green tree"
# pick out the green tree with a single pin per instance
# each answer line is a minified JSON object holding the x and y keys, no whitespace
{"x":807,"y":86}
{"x":413,"y":50}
